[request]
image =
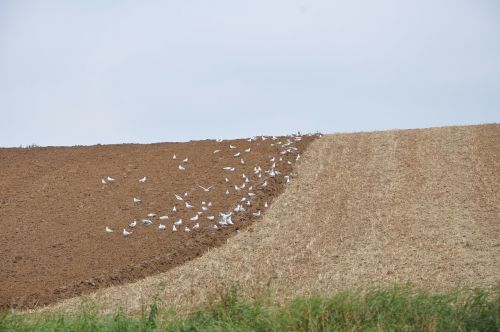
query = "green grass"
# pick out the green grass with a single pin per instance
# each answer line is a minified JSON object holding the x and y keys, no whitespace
{"x":395,"y":309}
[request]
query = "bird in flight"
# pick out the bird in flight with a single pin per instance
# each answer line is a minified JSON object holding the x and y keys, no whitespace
{"x":205,"y":189}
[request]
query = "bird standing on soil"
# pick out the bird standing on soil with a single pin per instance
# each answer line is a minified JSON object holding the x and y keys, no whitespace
{"x":181,"y":168}
{"x":133,"y":224}
{"x":162,"y":227}
{"x":179,"y":198}
{"x":126,"y":233}
{"x":142,"y":180}
{"x":146,"y":222}
{"x":136,"y":200}
{"x":108,"y":230}
{"x":110,"y":179}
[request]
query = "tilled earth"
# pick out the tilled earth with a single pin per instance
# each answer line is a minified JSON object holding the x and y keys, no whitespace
{"x":54,"y":209}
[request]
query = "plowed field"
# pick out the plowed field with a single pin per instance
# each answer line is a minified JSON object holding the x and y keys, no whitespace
{"x":55,"y":207}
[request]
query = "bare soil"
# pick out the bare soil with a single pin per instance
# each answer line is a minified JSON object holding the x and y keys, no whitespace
{"x":54,"y":210}
{"x":419,"y":206}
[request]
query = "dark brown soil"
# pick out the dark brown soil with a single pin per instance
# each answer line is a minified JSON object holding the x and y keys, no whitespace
{"x":54,"y":211}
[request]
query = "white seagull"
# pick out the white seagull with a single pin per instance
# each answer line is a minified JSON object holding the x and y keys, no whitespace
{"x":125,"y":233}
{"x":237,"y":154}
{"x":174,"y":157}
{"x":174,"y":209}
{"x":110,"y":179}
{"x":142,"y":180}
{"x":210,"y":217}
{"x":174,"y":229}
{"x":195,"y":218}
{"x":205,"y":189}
{"x":232,"y":146}
{"x":165,"y":217}
{"x":146,"y":222}
{"x":132,"y":224}
{"x":185,"y":160}
{"x":186,"y":229}
{"x":189,"y":206}
{"x":248,"y":150}
{"x":196,"y":226}
{"x":230,"y":169}
{"x":181,"y":168}
{"x":151,"y":215}
{"x":137,"y":200}
{"x":216,"y":151}
{"x":179,"y":198}
{"x":161,"y":227}
{"x":103,"y":181}
{"x":256,"y":214}
{"x":108,"y":230}
{"x":178,"y":222}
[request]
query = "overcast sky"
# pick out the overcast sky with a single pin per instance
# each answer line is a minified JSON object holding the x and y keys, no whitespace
{"x":88,"y":72}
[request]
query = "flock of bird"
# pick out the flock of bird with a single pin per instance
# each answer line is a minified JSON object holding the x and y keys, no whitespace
{"x":246,"y":190}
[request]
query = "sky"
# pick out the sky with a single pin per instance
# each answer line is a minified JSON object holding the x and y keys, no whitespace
{"x":103,"y":72}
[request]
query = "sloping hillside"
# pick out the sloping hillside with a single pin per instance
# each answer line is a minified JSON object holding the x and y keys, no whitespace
{"x":366,"y":208}
{"x":63,"y":210}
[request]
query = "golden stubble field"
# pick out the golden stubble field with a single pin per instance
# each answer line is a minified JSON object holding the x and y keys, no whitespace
{"x":419,"y":206}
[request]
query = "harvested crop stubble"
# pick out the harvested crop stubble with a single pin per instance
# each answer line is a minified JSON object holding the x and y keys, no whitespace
{"x":367,"y":208}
